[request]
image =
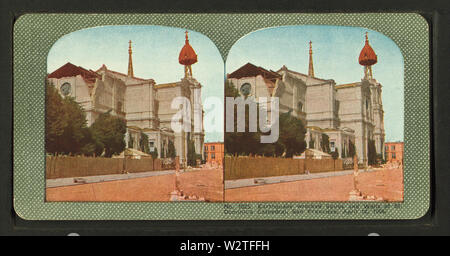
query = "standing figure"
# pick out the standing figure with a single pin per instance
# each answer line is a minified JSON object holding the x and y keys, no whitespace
{"x":355,"y":173}
{"x":355,"y":194}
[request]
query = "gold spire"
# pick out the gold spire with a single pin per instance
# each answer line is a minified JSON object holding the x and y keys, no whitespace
{"x":311,"y":65}
{"x":187,"y":68}
{"x":130,"y":60}
{"x":368,"y":72}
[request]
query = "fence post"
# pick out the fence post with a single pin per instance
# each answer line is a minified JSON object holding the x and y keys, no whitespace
{"x":153,"y":164}
{"x":124,"y":164}
{"x":305,"y":164}
{"x":177,"y":164}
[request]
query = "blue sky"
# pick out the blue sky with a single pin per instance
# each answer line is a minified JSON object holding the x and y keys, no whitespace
{"x":155,"y":55}
{"x":335,"y":51}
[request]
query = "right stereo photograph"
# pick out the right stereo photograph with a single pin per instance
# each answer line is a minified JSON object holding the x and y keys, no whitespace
{"x":314,"y":113}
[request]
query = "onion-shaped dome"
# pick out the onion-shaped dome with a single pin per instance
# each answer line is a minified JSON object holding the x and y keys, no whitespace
{"x":367,"y":57}
{"x":187,"y":54}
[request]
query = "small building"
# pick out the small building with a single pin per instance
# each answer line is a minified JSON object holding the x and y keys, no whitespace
{"x":132,"y":154}
{"x":394,"y":152}
{"x":214,"y":152}
{"x":310,"y":153}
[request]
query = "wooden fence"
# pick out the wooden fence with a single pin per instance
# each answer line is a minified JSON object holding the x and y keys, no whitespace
{"x":71,"y":166}
{"x":254,"y":167}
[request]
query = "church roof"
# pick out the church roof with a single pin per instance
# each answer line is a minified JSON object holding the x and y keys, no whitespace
{"x":213,"y":142}
{"x":167,"y":85}
{"x":250,"y":70}
{"x":270,"y":85}
{"x":301,"y":74}
{"x":120,"y":74}
{"x":69,"y":70}
{"x":341,"y":86}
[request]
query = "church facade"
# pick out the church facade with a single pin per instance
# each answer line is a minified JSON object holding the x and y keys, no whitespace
{"x":347,"y":113}
{"x":142,"y":103}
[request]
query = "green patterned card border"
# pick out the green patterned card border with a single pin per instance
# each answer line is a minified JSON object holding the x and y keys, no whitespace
{"x":34,"y":35}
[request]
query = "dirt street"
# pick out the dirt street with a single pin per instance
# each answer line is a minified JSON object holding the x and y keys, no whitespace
{"x":385,"y":183}
{"x":202,"y":183}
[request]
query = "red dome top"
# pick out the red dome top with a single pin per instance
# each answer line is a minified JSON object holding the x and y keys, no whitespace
{"x":187,"y":54}
{"x":367,"y":57}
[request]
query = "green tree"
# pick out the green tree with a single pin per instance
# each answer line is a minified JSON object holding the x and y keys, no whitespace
{"x":143,"y":143}
{"x":110,"y":130}
{"x":371,"y":152}
{"x":130,"y":141}
{"x":292,"y":135}
{"x":67,"y":131}
{"x":380,"y":159}
{"x":291,"y":140}
{"x":241,"y":143}
{"x":76,"y":122}
{"x":55,"y":119}
{"x":91,"y":145}
{"x":351,"y":149}
{"x":163,"y":152}
{"x":236,"y":143}
{"x":230,"y":89}
{"x":65,"y":123}
{"x":335,"y":154}
{"x":154,"y":153}
{"x":311,"y":143}
{"x":171,"y":152}
{"x":325,"y":143}
{"x":191,"y":154}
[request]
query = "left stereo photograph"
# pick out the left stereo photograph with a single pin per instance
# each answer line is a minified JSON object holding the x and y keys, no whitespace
{"x":134,"y":114}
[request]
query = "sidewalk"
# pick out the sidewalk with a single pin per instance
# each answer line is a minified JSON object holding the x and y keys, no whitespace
{"x":230,"y":184}
{"x":51,"y":183}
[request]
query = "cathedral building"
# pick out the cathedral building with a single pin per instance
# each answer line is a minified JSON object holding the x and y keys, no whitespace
{"x":142,"y":103}
{"x":347,"y":113}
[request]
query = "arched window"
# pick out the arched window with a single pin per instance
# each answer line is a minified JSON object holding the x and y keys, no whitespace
{"x":246,"y":89}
